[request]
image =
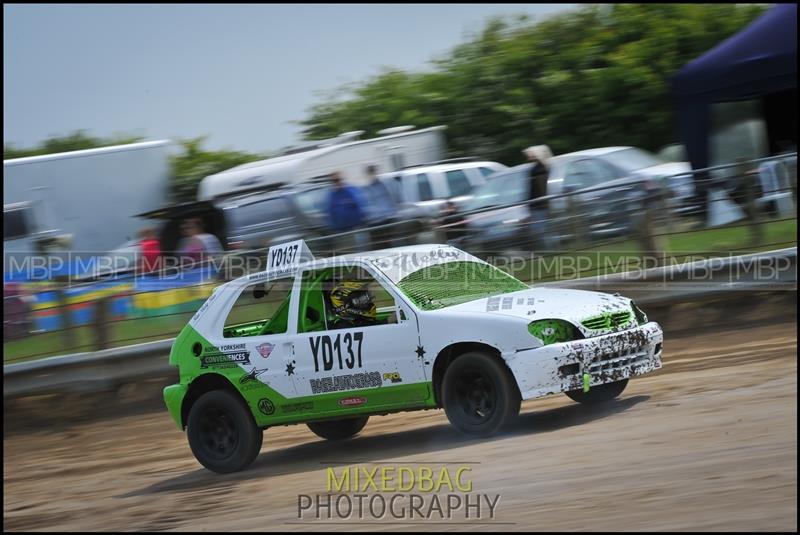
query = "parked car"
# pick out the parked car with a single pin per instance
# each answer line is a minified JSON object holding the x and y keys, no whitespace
{"x":610,"y":180}
{"x":428,"y":187}
{"x":599,"y":167}
{"x":253,"y":220}
{"x":333,"y":342}
{"x":674,"y":152}
{"x":391,"y":223}
{"x":257,"y":219}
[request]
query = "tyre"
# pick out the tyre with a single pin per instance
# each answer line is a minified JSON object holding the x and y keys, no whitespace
{"x":338,"y":429}
{"x":599,"y":393}
{"x":222,"y":433}
{"x":479,"y":395}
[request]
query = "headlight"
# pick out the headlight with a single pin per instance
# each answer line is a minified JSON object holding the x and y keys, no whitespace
{"x":553,"y":331}
{"x":641,"y":317}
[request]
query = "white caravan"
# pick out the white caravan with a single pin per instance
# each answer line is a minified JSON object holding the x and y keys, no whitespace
{"x":88,"y":196}
{"x":394,"y":149}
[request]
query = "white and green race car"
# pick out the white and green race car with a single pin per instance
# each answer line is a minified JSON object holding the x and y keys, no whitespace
{"x":330,"y":342}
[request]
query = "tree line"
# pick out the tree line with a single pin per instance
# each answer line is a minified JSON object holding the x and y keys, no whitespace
{"x":596,"y":76}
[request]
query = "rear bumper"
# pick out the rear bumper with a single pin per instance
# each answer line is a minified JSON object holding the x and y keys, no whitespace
{"x":612,"y":357}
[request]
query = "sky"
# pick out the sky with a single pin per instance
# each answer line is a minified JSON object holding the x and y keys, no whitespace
{"x":238,"y":74}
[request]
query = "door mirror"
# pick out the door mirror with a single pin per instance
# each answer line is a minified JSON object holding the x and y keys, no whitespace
{"x":402,"y":315}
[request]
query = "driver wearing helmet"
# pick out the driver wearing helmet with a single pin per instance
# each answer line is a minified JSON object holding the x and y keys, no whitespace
{"x":352,"y":305}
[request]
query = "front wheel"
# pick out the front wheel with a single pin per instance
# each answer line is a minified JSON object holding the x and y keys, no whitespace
{"x":479,"y":395}
{"x":599,"y":393}
{"x":338,"y":429}
{"x":222,"y":433}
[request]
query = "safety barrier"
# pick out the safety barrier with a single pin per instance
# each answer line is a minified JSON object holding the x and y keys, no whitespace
{"x":110,"y":368}
{"x":650,"y":217}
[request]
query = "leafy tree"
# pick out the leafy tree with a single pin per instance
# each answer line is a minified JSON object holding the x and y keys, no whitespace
{"x":597,"y":76}
{"x":78,"y":140}
{"x":190,"y":167}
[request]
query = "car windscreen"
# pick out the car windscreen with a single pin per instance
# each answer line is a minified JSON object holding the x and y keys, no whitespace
{"x":453,"y":283}
{"x":507,"y":189}
{"x":632,"y":159}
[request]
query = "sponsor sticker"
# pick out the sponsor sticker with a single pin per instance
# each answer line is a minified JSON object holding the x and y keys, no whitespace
{"x":393,"y":377}
{"x":224,"y":360}
{"x":251,"y":376}
{"x":266,"y":406}
{"x":265,"y":349}
{"x":336,"y":383}
{"x":297,"y":407}
{"x":352,"y":402}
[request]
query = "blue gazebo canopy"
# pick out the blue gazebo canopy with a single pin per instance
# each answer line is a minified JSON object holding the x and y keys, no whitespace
{"x":759,"y":60}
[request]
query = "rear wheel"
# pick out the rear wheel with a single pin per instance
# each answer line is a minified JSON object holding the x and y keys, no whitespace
{"x":222,"y":433}
{"x":338,"y":429}
{"x":599,"y":393}
{"x":479,"y":395}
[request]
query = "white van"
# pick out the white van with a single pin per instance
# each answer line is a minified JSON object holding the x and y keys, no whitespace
{"x":429,"y":186}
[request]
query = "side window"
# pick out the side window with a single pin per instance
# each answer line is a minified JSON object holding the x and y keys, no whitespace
{"x":258,"y":213}
{"x":262,"y":308}
{"x":458,"y":183}
{"x":424,"y":187}
{"x":398,"y":160}
{"x":343,"y":297}
{"x":274,"y":209}
{"x":16,"y":222}
{"x":410,"y":192}
{"x":486,"y":171}
{"x":601,"y":172}
{"x":577,"y":175}
{"x":393,"y":185}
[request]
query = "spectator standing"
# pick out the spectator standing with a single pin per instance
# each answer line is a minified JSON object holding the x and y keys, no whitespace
{"x":150,"y":249}
{"x":381,"y":208}
{"x":345,"y":208}
{"x":197,"y":243}
{"x":539,"y":156}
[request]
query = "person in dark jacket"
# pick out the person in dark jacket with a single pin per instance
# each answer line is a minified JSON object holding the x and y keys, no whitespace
{"x":346,"y":207}
{"x":539,"y":156}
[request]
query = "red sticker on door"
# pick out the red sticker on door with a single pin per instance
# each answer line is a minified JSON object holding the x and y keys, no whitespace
{"x":352,"y":402}
{"x":265,"y":349}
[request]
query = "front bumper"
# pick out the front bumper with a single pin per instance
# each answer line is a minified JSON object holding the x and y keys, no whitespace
{"x":612,"y":357}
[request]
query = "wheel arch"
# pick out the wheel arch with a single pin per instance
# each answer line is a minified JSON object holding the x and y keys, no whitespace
{"x":202,"y":384}
{"x":449,"y":353}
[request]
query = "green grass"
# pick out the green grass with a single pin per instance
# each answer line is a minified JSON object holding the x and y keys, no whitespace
{"x":81,"y":339}
{"x":735,"y":239}
{"x":610,"y":258}
{"x":679,"y":247}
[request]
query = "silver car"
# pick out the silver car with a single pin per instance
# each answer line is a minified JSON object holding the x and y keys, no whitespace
{"x":606,"y":166}
{"x":429,"y":187}
{"x":608,"y":181}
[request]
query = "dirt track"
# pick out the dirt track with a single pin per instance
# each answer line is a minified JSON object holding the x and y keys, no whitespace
{"x":708,"y":443}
